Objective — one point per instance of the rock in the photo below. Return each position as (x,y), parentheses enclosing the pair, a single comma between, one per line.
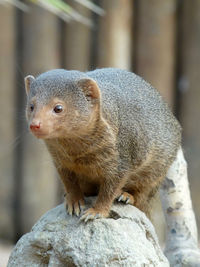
(126,238)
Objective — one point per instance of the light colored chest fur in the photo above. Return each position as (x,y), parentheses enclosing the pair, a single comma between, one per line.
(86,164)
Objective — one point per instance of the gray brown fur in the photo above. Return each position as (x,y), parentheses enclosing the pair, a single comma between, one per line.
(128,146)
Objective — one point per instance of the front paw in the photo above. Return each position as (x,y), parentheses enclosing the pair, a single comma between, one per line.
(92,214)
(74,205)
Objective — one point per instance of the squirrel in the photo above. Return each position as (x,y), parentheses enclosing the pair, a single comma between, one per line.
(109,132)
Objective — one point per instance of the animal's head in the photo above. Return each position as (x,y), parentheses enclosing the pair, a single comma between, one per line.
(61,104)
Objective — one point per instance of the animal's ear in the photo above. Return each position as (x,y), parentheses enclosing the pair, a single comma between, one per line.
(90,89)
(28,80)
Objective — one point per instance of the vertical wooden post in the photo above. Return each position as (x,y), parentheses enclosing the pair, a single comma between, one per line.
(155,28)
(189,91)
(114,40)
(77,42)
(41,53)
(155,44)
(7,118)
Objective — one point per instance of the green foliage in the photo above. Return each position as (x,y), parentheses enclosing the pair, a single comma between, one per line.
(59,8)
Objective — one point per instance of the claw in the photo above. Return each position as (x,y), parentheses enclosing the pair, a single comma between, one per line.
(74,207)
(81,218)
(89,217)
(70,210)
(97,216)
(77,209)
(92,214)
(120,198)
(85,217)
(127,200)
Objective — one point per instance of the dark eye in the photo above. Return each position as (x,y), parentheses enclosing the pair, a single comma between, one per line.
(58,109)
(31,107)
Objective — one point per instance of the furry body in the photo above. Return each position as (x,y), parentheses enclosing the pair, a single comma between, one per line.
(120,142)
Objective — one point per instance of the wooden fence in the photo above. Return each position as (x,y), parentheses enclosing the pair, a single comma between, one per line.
(159,40)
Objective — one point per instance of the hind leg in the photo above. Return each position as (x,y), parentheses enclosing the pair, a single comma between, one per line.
(143,186)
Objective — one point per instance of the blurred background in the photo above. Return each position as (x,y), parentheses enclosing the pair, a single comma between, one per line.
(159,40)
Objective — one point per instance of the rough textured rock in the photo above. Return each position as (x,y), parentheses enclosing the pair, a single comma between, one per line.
(127,238)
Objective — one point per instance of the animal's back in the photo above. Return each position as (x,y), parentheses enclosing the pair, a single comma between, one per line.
(138,111)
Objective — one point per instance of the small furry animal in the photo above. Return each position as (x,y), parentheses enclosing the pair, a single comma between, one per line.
(109,133)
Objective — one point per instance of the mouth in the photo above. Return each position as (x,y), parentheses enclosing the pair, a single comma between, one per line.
(39,135)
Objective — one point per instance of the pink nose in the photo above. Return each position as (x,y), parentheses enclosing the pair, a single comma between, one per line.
(35,127)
